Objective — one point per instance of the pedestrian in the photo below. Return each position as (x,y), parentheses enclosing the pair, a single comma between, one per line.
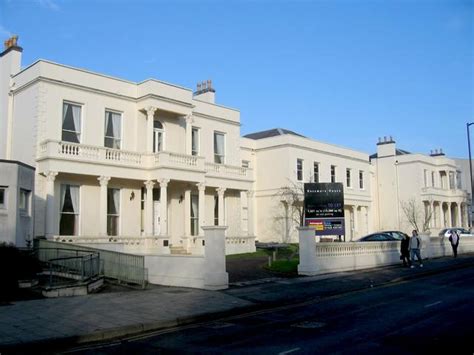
(415,247)
(405,250)
(454,240)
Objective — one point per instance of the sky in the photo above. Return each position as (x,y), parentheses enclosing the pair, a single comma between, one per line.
(341,72)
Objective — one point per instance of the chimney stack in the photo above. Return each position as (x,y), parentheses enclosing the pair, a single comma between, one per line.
(205,92)
(437,153)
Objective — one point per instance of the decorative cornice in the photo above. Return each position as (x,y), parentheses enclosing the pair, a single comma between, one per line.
(218,119)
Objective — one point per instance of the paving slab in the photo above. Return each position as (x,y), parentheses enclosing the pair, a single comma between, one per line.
(98,317)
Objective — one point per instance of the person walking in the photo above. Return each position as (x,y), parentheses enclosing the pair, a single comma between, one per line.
(415,248)
(454,240)
(405,250)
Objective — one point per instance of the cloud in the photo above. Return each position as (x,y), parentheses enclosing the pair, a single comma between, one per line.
(48,4)
(4,33)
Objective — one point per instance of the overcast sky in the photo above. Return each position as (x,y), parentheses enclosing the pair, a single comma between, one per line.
(342,72)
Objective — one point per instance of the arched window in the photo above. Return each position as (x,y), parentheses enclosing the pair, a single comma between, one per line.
(158,136)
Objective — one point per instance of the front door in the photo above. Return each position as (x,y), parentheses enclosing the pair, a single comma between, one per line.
(156,217)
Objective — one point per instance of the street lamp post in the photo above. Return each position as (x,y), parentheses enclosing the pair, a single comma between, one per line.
(470,169)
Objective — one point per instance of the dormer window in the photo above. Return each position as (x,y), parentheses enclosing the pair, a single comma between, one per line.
(158,136)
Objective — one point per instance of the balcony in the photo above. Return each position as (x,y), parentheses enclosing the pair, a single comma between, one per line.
(434,192)
(97,155)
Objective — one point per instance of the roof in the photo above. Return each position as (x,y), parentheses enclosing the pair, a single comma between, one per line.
(271,133)
(397,152)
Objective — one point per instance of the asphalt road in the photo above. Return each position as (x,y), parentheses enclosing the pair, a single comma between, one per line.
(429,315)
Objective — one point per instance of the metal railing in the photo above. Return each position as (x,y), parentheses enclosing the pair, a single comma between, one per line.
(122,267)
(66,266)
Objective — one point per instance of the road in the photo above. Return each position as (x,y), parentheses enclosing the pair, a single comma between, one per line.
(432,314)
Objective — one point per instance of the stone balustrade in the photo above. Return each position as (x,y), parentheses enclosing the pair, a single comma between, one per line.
(51,149)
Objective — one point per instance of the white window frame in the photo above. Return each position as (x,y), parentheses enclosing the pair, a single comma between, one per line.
(349,178)
(198,130)
(361,180)
(78,214)
(194,220)
(216,210)
(3,205)
(315,171)
(120,139)
(223,160)
(24,201)
(67,102)
(118,214)
(333,174)
(299,171)
(163,137)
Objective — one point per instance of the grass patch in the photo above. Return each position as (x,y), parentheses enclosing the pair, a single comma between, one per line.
(258,253)
(284,266)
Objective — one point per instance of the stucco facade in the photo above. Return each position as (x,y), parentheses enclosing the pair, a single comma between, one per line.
(431,183)
(281,158)
(122,159)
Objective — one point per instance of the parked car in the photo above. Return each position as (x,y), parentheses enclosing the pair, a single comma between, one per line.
(462,232)
(378,237)
(396,234)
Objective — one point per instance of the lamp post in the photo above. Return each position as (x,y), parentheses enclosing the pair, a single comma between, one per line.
(470,168)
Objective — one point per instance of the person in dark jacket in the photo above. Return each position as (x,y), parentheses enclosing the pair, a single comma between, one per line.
(405,251)
(454,240)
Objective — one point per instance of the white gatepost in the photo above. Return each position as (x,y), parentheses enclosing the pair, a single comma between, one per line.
(215,274)
(307,251)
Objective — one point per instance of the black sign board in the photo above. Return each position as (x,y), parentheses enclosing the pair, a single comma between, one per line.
(324,208)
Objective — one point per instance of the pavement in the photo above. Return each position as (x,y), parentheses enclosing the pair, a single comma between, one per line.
(59,323)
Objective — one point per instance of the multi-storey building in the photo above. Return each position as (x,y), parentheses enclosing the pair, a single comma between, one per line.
(122,159)
(283,161)
(427,186)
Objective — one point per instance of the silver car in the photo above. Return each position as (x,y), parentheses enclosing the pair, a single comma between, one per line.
(461,231)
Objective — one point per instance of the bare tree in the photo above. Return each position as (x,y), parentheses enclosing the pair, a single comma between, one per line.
(417,214)
(292,198)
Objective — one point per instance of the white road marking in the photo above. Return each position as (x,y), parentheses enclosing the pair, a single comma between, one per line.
(289,351)
(433,304)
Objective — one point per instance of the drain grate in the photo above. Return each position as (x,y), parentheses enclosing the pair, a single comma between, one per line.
(309,325)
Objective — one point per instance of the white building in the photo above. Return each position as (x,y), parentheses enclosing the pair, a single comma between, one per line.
(116,159)
(432,182)
(150,164)
(281,158)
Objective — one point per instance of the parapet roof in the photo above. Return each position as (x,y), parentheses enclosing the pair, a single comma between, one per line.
(271,133)
(397,152)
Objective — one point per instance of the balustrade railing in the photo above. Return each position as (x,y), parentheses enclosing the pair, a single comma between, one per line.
(97,154)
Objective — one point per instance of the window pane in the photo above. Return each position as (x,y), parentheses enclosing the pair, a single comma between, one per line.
(113,201)
(2,197)
(195,141)
(67,224)
(112,225)
(68,122)
(70,137)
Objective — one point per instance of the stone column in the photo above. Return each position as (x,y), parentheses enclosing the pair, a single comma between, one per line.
(459,215)
(220,193)
(307,251)
(356,222)
(149,208)
(103,181)
(150,114)
(50,227)
(189,128)
(187,212)
(250,209)
(164,206)
(215,275)
(202,208)
(442,215)
(450,219)
(433,220)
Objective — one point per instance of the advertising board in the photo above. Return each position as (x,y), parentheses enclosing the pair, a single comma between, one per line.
(324,208)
